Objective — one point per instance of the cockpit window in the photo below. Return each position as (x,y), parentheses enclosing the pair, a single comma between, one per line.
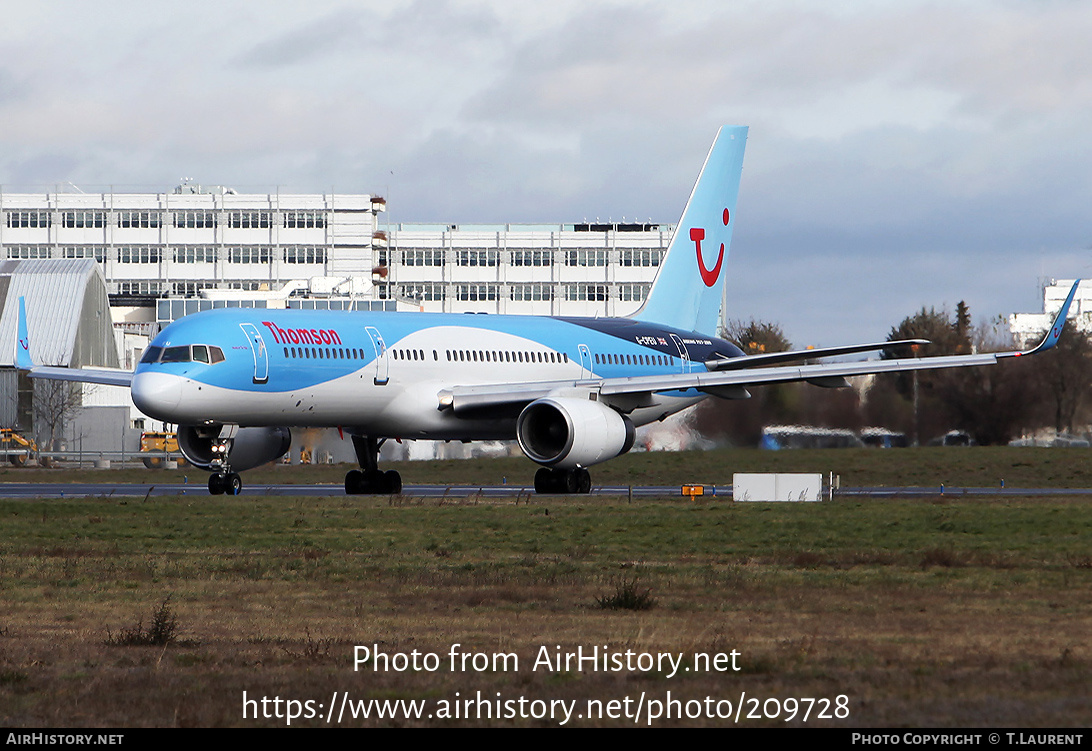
(176,354)
(184,353)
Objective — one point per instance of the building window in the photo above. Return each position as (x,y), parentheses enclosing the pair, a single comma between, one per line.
(247,286)
(139,289)
(586,292)
(139,254)
(531,292)
(586,257)
(532,258)
(19,219)
(633,292)
(304,219)
(98,252)
(139,219)
(249,254)
(305,254)
(476,258)
(422,257)
(195,254)
(641,257)
(195,219)
(29,251)
(83,219)
(423,292)
(249,219)
(476,292)
(188,289)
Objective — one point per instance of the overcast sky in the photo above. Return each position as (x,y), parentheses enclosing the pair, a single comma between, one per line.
(901,154)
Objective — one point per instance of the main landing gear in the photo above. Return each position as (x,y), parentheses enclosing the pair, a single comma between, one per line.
(563,480)
(369,479)
(225,482)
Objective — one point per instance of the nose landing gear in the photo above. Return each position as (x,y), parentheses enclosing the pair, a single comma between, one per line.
(223,480)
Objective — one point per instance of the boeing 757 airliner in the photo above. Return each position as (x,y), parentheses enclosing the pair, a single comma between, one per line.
(571,391)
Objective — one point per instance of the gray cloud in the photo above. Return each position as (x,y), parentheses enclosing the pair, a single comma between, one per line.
(900,154)
(313,41)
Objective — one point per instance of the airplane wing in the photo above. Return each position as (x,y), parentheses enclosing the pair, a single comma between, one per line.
(755,361)
(23,361)
(466,398)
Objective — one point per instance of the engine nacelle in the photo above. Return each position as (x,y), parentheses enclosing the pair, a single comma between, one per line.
(565,432)
(249,448)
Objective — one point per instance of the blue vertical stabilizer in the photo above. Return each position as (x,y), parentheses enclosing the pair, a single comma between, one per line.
(687,291)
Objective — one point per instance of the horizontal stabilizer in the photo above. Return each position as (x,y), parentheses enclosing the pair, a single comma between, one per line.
(23,361)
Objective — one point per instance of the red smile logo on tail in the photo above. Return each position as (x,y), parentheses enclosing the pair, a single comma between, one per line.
(709,276)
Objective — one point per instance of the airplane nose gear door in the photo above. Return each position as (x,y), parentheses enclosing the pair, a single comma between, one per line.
(257,348)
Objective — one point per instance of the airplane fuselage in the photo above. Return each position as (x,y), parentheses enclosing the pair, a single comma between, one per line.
(381,374)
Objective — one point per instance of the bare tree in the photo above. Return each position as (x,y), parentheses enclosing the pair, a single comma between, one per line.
(56,404)
(1063,377)
(755,337)
(992,402)
(740,422)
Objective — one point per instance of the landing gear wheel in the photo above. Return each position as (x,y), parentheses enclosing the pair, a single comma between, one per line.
(544,481)
(571,481)
(564,481)
(361,482)
(354,482)
(229,483)
(392,482)
(583,483)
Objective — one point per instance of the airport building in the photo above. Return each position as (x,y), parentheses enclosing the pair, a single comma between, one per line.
(164,255)
(215,244)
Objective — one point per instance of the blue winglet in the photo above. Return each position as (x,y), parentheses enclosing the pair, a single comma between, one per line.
(23,360)
(1056,328)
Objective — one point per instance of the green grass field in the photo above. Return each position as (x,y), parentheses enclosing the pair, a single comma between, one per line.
(922,613)
(982,466)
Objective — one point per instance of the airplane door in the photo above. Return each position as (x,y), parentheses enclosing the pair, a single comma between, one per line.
(381,376)
(585,361)
(682,353)
(258,349)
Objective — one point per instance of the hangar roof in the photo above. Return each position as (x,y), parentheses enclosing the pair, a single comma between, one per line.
(68,312)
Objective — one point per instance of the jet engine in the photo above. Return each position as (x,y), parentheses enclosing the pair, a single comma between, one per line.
(567,433)
(246,449)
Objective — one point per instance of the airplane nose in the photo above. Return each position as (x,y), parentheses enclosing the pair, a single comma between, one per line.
(157,394)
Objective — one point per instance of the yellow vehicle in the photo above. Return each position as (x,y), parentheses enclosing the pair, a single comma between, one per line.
(159,442)
(17,448)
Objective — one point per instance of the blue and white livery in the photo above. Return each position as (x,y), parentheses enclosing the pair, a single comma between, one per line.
(571,391)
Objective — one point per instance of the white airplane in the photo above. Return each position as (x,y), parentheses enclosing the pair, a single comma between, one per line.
(571,391)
